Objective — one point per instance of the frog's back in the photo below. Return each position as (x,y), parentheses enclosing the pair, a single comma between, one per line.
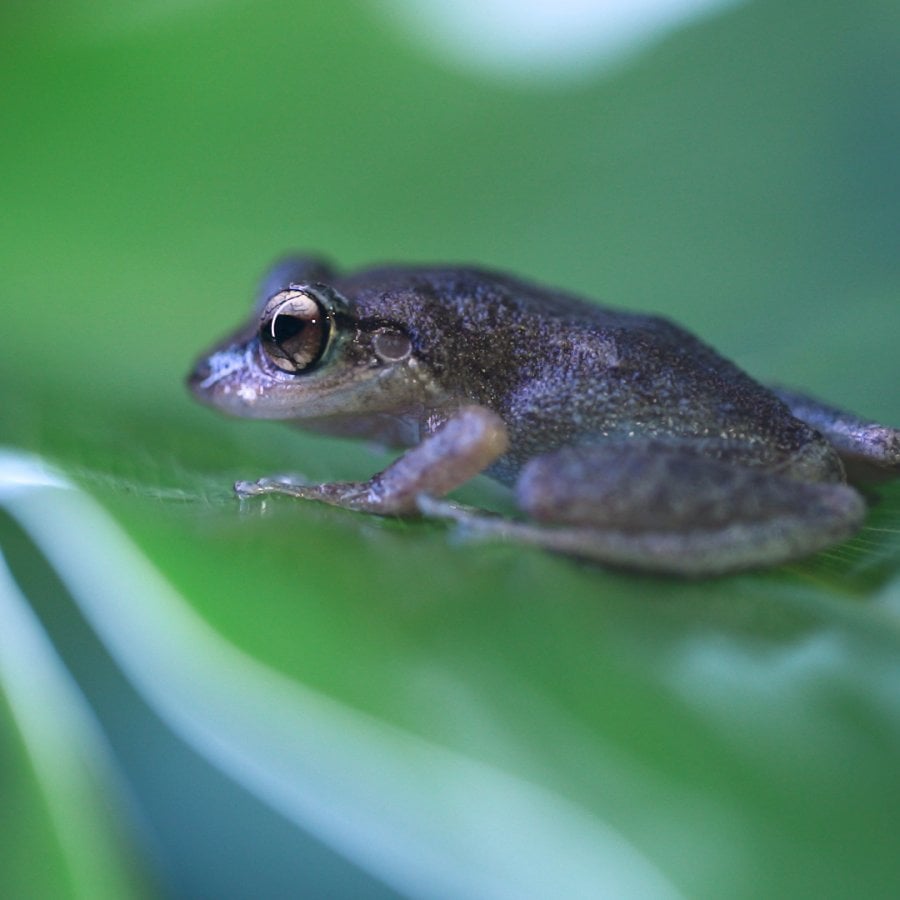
(561,370)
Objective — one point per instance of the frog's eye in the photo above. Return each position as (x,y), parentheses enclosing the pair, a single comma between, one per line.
(295,330)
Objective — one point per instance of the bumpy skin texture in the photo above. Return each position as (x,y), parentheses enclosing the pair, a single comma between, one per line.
(560,371)
(628,440)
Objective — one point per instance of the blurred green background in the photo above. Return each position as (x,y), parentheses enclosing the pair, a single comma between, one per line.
(285,700)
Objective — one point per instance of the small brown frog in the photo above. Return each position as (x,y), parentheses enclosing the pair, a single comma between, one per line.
(628,441)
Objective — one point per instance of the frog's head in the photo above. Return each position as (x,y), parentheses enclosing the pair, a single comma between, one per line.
(305,355)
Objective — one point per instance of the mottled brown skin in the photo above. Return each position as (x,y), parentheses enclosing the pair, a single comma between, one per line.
(629,441)
(560,371)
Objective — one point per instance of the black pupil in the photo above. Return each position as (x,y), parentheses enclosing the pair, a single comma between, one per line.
(286,326)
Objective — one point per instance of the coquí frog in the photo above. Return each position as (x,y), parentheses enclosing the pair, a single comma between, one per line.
(626,439)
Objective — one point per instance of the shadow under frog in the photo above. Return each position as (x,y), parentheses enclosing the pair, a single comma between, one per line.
(627,440)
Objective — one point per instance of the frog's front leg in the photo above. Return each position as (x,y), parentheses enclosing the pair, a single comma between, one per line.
(462,447)
(668,509)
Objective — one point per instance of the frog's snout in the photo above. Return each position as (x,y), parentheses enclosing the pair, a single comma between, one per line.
(222,379)
(206,378)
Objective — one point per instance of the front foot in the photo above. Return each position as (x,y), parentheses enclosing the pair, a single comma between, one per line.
(467,443)
(360,496)
(263,486)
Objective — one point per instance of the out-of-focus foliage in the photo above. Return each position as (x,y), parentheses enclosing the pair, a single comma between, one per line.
(282,699)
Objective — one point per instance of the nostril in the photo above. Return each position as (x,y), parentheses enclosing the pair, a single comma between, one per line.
(201,372)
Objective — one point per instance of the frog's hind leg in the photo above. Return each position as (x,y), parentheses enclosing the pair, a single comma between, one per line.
(870,451)
(668,510)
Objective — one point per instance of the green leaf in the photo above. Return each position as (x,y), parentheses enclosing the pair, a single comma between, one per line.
(267,699)
(68,829)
